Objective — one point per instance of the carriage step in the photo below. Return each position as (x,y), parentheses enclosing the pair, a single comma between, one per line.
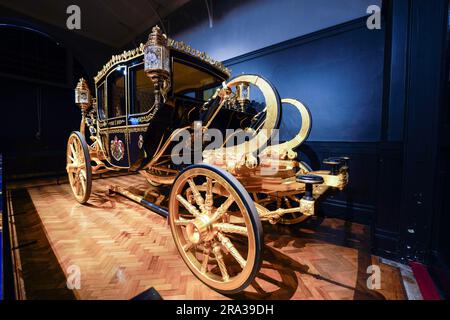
(335,163)
(309,180)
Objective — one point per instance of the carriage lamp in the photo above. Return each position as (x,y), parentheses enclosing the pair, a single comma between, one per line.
(157,58)
(82,95)
(243,95)
(83,100)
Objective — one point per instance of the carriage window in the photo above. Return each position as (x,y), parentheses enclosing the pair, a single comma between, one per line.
(116,93)
(142,97)
(101,102)
(208,93)
(187,79)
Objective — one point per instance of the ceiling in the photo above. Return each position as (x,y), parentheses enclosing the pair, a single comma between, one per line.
(112,22)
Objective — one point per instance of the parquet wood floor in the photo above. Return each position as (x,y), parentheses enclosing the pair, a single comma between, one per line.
(123,249)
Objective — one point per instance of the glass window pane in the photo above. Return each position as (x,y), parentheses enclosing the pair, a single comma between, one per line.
(143,95)
(101,102)
(208,93)
(116,94)
(187,79)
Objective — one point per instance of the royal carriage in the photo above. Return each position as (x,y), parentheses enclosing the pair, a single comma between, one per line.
(164,99)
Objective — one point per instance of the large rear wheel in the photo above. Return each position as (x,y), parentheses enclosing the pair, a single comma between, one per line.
(216,228)
(79,167)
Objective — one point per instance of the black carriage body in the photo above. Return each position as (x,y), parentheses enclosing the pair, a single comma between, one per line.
(128,127)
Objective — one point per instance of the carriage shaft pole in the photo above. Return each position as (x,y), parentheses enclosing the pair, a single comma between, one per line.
(139,199)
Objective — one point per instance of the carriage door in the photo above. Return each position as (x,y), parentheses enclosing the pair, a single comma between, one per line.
(142,99)
(117,140)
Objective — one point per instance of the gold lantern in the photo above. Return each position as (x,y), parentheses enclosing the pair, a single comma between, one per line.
(243,95)
(83,99)
(157,60)
(82,95)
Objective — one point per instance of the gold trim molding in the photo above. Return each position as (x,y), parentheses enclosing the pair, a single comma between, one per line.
(183,47)
(173,45)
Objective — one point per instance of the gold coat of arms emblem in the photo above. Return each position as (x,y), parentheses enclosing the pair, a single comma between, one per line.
(117,149)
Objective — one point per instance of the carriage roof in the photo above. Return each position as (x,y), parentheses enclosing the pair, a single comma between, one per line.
(175,46)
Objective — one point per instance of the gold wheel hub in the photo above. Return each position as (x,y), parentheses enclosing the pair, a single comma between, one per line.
(200,229)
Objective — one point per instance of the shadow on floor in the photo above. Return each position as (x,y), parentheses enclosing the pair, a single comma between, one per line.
(42,275)
(310,232)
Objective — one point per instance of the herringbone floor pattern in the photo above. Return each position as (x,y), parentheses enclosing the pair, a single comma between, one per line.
(123,249)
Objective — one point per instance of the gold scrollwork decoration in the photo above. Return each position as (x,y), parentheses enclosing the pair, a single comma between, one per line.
(172,44)
(132,129)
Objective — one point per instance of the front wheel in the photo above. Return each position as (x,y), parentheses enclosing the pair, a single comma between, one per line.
(216,228)
(79,167)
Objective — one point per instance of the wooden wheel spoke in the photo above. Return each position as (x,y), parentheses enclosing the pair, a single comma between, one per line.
(189,207)
(197,196)
(72,159)
(209,195)
(234,219)
(205,260)
(83,180)
(220,262)
(181,222)
(231,228)
(74,153)
(77,185)
(294,199)
(226,242)
(223,208)
(286,201)
(71,167)
(80,153)
(77,153)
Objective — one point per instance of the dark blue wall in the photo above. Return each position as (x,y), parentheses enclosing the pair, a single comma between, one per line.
(242,26)
(338,74)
